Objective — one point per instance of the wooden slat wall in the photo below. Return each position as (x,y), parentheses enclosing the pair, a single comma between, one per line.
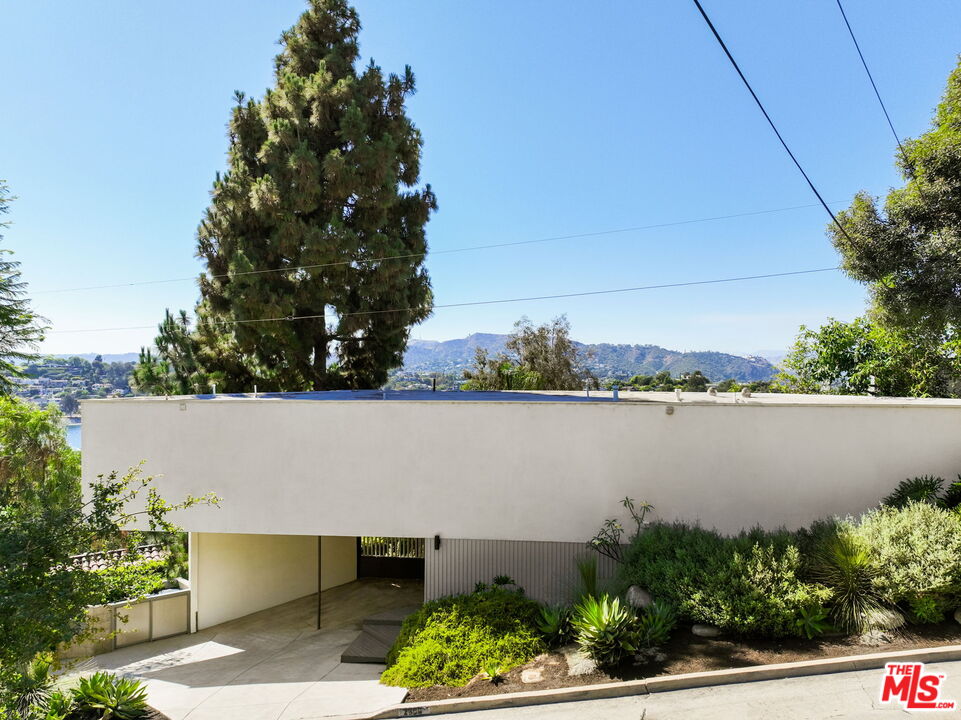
(546,570)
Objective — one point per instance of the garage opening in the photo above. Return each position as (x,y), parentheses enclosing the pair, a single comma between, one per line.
(390,557)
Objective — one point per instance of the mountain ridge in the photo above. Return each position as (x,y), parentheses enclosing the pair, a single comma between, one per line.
(609,359)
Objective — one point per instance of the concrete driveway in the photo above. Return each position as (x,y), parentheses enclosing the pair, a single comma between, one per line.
(273,665)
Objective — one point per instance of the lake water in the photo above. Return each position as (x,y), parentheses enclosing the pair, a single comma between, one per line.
(73,436)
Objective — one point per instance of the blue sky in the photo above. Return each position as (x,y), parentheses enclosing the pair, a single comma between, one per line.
(539,119)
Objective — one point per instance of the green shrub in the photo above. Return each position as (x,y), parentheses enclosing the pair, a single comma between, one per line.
(605,629)
(654,624)
(103,696)
(129,581)
(747,584)
(916,550)
(59,706)
(450,640)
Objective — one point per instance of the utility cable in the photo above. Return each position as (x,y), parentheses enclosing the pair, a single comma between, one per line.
(469,248)
(474,303)
(757,100)
(873,84)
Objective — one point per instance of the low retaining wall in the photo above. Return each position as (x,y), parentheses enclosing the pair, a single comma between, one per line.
(126,623)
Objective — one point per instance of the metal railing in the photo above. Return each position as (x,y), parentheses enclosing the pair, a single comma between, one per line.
(392,547)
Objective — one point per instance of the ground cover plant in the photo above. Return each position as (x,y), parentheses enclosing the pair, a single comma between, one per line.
(452,639)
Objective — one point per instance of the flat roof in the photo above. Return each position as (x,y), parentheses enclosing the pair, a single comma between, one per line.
(565,396)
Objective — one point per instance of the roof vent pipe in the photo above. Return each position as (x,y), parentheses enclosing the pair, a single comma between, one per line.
(615,389)
(214,386)
(677,394)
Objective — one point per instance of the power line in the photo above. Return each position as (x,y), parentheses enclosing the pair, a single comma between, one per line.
(873,84)
(757,100)
(586,293)
(469,248)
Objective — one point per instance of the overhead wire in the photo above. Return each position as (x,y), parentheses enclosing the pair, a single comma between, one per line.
(469,248)
(777,132)
(474,303)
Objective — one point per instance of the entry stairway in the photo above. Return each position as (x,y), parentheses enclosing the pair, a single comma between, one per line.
(377,634)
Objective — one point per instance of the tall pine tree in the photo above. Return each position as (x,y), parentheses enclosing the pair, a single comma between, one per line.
(319,215)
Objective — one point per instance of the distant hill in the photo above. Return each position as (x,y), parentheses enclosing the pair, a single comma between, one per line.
(106,357)
(453,356)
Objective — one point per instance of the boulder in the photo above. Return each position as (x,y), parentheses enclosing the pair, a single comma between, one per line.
(706,631)
(638,597)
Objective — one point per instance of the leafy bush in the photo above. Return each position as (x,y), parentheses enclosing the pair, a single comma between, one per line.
(103,696)
(128,581)
(605,629)
(916,550)
(450,640)
(555,625)
(654,624)
(747,584)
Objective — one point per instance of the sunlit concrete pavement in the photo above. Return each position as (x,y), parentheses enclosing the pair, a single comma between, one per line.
(273,665)
(841,695)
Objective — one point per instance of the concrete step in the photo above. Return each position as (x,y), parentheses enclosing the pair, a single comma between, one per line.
(377,635)
(372,645)
(390,617)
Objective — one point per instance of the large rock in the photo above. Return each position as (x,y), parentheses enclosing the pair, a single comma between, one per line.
(638,597)
(706,631)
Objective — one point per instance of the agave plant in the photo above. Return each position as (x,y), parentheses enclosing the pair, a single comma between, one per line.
(59,706)
(109,697)
(654,624)
(605,629)
(555,624)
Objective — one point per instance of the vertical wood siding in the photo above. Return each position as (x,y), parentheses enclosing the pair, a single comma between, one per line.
(546,570)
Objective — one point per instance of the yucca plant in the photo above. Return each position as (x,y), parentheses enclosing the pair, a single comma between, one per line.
(555,625)
(30,688)
(605,629)
(842,562)
(654,624)
(109,697)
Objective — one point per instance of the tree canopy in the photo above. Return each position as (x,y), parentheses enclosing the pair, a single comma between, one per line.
(44,520)
(21,329)
(908,251)
(852,358)
(538,358)
(314,239)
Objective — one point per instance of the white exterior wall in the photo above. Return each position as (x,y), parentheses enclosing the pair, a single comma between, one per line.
(545,471)
(233,575)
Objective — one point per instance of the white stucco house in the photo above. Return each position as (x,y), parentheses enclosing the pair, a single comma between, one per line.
(511,483)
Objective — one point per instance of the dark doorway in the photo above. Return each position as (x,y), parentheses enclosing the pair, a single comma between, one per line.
(382,557)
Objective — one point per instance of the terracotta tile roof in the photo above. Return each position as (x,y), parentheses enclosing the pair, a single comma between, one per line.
(101,560)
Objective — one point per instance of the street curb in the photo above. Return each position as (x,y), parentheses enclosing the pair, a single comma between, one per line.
(668,682)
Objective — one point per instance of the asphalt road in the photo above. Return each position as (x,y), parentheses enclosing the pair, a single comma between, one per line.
(841,695)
